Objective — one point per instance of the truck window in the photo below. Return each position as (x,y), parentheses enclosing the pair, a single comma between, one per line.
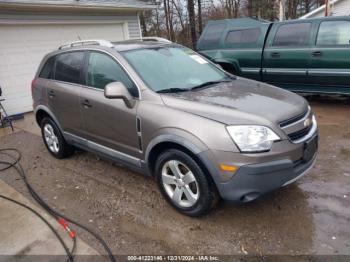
(292,35)
(213,33)
(246,36)
(332,33)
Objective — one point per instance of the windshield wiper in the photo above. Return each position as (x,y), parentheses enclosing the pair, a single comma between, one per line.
(173,90)
(209,83)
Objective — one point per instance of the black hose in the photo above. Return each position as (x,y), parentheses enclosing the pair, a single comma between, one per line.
(15,163)
(69,253)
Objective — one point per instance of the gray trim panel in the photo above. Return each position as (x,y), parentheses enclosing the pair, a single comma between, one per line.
(111,153)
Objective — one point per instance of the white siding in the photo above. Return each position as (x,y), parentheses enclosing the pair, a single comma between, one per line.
(25,39)
(131,20)
(340,8)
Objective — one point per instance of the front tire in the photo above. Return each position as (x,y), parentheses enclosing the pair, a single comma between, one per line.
(54,140)
(184,184)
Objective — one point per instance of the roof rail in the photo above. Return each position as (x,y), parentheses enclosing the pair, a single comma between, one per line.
(154,38)
(87,42)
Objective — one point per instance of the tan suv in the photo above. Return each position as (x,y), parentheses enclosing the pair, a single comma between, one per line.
(163,110)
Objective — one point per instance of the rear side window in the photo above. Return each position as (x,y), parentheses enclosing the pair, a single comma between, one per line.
(48,69)
(103,69)
(213,33)
(68,67)
(292,35)
(333,33)
(246,36)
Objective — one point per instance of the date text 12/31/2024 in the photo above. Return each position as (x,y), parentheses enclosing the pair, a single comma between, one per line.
(173,258)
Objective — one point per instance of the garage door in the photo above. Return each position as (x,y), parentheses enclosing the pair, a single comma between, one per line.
(23,46)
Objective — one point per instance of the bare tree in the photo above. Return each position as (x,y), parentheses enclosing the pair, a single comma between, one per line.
(192,21)
(166,13)
(177,20)
(200,22)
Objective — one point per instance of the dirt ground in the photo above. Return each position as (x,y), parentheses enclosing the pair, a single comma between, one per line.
(311,216)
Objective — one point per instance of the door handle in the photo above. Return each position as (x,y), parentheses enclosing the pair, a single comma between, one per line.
(52,94)
(275,54)
(317,53)
(86,103)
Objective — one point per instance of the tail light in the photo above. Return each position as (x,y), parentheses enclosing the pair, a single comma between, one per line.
(33,84)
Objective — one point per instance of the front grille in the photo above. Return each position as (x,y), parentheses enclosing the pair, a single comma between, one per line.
(299,127)
(293,119)
(300,134)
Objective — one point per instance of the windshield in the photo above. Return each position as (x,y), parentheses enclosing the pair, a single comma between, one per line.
(173,68)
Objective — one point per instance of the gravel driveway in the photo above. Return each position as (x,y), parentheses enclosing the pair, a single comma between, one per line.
(311,216)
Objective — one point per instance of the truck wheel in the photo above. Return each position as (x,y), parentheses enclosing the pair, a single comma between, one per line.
(184,184)
(54,140)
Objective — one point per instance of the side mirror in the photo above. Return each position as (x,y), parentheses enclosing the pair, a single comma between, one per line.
(117,90)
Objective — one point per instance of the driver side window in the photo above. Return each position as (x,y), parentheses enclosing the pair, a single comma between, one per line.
(103,69)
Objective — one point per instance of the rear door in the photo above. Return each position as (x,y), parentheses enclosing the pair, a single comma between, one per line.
(287,54)
(63,91)
(108,122)
(330,64)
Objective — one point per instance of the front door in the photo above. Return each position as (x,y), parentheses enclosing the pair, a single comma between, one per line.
(287,54)
(108,122)
(64,89)
(330,64)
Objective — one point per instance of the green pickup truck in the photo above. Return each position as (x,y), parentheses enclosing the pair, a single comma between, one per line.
(307,55)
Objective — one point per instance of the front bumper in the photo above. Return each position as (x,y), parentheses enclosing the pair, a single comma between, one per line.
(254,180)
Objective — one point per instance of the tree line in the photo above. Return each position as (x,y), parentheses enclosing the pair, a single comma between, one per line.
(182,21)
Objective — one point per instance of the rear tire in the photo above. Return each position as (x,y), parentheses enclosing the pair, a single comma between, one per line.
(184,184)
(54,140)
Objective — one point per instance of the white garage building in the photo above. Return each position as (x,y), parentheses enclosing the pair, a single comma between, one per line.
(337,8)
(30,29)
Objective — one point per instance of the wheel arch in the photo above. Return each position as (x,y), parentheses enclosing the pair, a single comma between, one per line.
(41,112)
(229,66)
(166,142)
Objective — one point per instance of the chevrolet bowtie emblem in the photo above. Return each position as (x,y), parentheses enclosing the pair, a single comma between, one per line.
(307,122)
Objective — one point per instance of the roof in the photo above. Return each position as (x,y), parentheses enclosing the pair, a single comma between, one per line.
(319,9)
(139,44)
(245,22)
(116,4)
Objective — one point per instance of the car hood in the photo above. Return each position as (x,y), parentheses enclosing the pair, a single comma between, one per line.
(240,101)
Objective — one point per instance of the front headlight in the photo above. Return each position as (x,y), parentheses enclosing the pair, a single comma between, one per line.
(252,138)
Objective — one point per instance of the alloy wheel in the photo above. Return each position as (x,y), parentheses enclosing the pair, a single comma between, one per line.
(180,183)
(51,138)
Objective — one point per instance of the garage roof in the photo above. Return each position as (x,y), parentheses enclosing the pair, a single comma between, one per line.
(117,4)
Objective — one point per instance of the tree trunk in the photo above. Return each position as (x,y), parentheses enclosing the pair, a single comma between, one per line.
(192,20)
(143,24)
(237,4)
(166,18)
(200,23)
(157,21)
(170,18)
(307,6)
(250,8)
